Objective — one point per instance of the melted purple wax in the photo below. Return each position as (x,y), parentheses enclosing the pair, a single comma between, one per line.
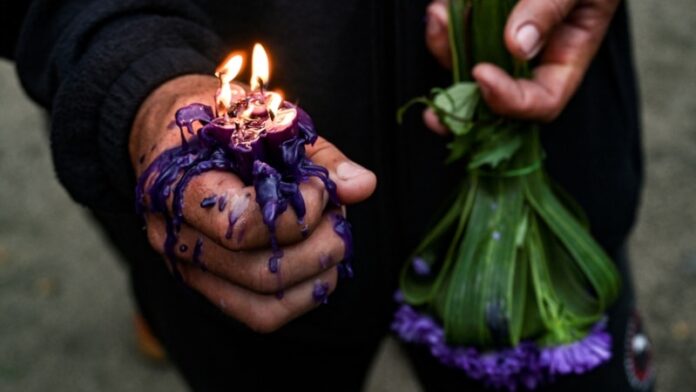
(342,228)
(273,161)
(420,266)
(197,253)
(209,202)
(239,205)
(222,203)
(320,293)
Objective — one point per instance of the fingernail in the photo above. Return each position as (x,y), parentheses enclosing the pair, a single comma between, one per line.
(528,38)
(349,170)
(437,19)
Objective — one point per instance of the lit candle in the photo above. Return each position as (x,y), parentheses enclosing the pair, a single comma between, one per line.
(253,123)
(253,133)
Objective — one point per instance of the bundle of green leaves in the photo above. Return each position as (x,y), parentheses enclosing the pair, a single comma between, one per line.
(511,262)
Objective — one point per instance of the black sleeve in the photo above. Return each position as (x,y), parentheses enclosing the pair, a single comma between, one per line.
(11,17)
(92,63)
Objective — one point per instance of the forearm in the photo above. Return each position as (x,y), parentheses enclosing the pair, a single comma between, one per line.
(92,63)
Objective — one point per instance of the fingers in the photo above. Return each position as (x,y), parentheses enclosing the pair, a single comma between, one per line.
(218,205)
(436,32)
(322,250)
(542,98)
(570,33)
(354,183)
(433,122)
(262,313)
(531,22)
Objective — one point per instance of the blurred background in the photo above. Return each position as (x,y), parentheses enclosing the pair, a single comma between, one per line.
(66,312)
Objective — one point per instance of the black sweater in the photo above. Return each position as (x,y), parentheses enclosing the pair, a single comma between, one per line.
(350,63)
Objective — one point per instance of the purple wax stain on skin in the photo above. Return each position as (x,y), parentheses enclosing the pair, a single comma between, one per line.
(222,202)
(420,266)
(209,202)
(240,235)
(197,253)
(280,294)
(343,230)
(274,262)
(304,229)
(183,248)
(239,205)
(320,293)
(325,261)
(274,165)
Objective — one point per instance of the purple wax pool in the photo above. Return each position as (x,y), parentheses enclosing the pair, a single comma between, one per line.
(265,148)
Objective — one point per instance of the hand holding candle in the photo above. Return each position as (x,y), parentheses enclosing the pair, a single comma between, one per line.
(223,246)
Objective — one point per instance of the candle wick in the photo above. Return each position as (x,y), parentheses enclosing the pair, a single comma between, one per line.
(261,84)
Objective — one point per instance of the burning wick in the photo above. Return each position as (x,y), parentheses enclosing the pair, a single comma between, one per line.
(260,69)
(257,102)
(257,111)
(226,74)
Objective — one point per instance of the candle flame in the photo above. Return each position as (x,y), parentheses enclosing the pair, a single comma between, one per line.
(226,73)
(230,68)
(273,102)
(260,67)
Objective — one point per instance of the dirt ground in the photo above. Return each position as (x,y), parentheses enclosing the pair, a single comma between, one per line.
(66,311)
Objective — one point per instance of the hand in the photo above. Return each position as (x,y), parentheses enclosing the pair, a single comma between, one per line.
(237,278)
(566,34)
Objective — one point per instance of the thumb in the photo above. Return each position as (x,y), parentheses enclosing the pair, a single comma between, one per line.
(354,183)
(531,22)
(436,32)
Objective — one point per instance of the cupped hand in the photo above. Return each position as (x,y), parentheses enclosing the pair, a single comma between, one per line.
(236,276)
(565,34)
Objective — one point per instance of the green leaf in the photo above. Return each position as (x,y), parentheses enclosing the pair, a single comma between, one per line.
(459,13)
(445,235)
(402,110)
(480,299)
(456,106)
(459,147)
(497,148)
(487,31)
(591,259)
